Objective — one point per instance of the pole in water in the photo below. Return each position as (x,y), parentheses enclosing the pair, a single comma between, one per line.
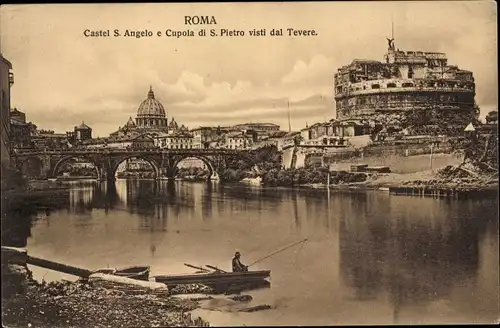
(279,251)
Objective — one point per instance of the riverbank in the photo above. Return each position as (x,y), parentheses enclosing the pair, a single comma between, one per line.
(446,181)
(79,304)
(29,303)
(106,300)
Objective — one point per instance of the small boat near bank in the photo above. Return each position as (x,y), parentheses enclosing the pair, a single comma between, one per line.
(134,272)
(215,278)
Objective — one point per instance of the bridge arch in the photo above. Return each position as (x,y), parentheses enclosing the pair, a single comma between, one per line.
(207,161)
(66,158)
(152,162)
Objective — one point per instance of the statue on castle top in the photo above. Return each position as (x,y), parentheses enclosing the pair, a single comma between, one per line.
(391,43)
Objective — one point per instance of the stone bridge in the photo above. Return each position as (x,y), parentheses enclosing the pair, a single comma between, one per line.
(164,162)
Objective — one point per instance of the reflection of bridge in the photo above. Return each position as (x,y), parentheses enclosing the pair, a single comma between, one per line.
(106,162)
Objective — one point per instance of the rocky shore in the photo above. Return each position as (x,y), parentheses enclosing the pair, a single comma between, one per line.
(99,302)
(28,303)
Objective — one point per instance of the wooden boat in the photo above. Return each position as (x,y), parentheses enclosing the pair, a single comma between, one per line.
(134,272)
(215,278)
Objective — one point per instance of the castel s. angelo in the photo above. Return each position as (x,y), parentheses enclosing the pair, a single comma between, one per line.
(411,88)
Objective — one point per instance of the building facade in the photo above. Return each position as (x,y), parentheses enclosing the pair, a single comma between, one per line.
(236,140)
(268,127)
(209,136)
(336,133)
(48,139)
(6,82)
(21,132)
(258,131)
(407,81)
(178,140)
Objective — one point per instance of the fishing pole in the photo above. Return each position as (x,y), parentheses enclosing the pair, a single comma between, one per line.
(279,251)
(297,254)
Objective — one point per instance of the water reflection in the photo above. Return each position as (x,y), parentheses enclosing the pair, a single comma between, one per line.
(369,247)
(21,209)
(414,252)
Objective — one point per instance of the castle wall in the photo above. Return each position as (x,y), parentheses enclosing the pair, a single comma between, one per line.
(406,81)
(374,151)
(405,149)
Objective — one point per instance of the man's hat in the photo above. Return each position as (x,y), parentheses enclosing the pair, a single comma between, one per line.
(237,254)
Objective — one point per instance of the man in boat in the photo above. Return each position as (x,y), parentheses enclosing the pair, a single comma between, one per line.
(237,265)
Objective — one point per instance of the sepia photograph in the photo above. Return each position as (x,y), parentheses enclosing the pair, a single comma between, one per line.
(249,164)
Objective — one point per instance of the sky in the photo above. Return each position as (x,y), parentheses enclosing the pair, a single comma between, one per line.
(63,78)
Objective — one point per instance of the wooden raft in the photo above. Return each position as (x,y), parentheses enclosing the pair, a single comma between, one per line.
(128,285)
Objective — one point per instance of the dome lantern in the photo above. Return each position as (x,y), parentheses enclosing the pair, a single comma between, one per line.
(151,94)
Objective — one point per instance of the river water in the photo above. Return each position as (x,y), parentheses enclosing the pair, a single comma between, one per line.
(370,258)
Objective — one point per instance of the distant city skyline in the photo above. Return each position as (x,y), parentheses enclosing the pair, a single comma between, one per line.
(63,78)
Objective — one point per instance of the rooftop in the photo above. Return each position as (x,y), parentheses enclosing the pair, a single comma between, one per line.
(278,134)
(151,107)
(83,126)
(15,111)
(371,61)
(179,135)
(8,63)
(16,122)
(256,123)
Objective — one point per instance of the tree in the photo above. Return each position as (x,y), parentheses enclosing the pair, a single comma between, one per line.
(492,117)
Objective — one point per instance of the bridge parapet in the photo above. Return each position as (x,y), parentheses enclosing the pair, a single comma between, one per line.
(128,151)
(106,161)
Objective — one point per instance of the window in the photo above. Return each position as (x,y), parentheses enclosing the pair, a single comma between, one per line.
(410,72)
(375,86)
(407,85)
(391,85)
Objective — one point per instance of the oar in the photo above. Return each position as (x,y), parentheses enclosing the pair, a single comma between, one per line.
(196,267)
(215,268)
(279,251)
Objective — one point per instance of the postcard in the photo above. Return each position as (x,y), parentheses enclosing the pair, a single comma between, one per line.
(249,164)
